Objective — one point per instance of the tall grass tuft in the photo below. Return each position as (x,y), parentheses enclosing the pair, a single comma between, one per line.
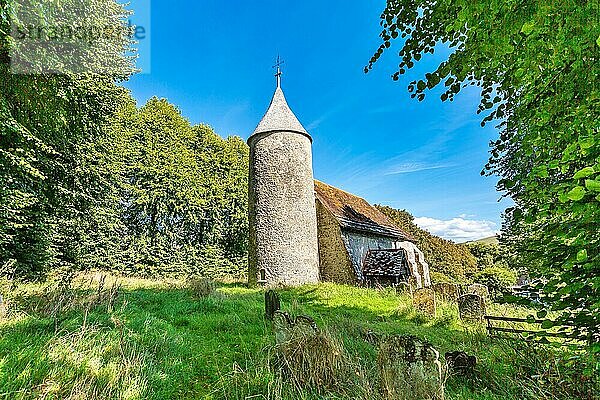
(316,360)
(201,287)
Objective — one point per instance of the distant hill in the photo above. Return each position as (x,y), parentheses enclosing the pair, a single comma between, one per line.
(453,260)
(487,240)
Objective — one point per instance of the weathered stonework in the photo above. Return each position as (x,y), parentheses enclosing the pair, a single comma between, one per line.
(283,246)
(416,259)
(334,262)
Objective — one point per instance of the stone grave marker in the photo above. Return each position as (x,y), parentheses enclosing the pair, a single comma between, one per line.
(478,289)
(424,301)
(287,327)
(272,304)
(446,291)
(404,361)
(471,307)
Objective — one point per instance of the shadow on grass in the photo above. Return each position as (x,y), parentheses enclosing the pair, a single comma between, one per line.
(189,344)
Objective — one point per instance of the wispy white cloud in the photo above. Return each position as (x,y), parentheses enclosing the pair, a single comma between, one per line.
(406,168)
(315,123)
(458,229)
(340,106)
(465,216)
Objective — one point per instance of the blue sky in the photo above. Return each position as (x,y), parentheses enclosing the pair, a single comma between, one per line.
(213,59)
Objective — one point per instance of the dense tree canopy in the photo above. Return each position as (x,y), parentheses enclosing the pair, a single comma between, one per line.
(88,180)
(537,64)
(182,192)
(51,193)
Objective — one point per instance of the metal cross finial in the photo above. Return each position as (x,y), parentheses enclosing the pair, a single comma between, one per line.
(278,63)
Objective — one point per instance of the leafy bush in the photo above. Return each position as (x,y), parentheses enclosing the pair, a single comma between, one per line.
(497,279)
(548,149)
(545,372)
(438,277)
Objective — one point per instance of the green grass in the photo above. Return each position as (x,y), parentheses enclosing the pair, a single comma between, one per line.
(159,341)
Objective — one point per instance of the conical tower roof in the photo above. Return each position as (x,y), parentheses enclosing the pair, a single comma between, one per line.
(279,117)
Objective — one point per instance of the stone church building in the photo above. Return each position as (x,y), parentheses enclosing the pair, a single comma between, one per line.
(302,230)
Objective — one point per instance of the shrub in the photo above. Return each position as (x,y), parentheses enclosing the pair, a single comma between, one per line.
(545,372)
(497,279)
(438,277)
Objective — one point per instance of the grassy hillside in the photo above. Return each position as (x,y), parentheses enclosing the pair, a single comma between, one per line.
(157,340)
(487,240)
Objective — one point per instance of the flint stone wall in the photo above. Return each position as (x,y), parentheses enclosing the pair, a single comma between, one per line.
(283,227)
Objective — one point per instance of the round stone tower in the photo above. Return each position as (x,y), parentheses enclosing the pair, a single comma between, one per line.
(283,247)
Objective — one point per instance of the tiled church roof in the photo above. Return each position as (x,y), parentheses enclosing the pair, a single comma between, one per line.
(356,213)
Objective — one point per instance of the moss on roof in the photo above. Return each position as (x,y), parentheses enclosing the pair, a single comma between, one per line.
(355,213)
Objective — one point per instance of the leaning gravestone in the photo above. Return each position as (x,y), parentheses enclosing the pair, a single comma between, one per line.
(471,307)
(272,304)
(446,291)
(288,328)
(424,301)
(478,289)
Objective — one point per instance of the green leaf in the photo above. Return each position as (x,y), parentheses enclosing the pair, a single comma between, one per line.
(528,28)
(593,186)
(584,173)
(586,142)
(582,255)
(576,193)
(542,314)
(598,41)
(547,324)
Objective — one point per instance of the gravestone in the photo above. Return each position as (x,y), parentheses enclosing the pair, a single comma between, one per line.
(404,288)
(460,363)
(446,291)
(272,304)
(424,301)
(471,307)
(288,328)
(478,289)
(409,363)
